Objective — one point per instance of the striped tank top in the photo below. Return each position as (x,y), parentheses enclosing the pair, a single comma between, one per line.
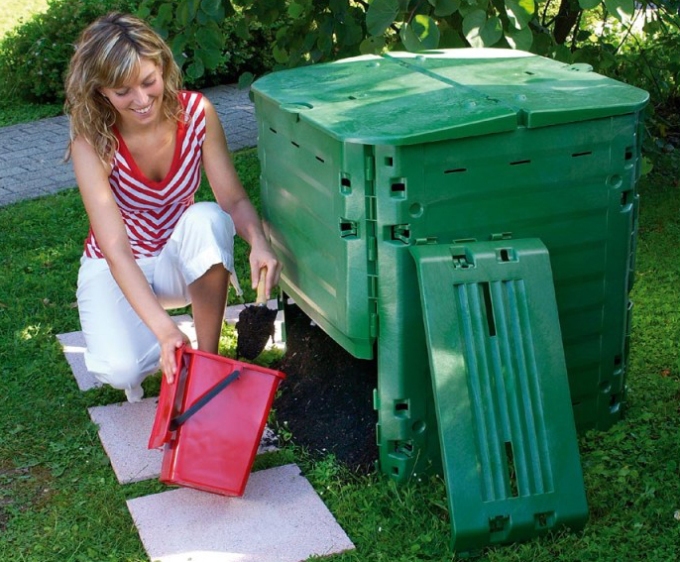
(151,209)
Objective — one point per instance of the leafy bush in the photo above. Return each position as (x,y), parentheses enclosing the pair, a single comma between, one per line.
(35,56)
(213,41)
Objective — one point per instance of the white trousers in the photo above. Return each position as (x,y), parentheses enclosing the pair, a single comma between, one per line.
(121,350)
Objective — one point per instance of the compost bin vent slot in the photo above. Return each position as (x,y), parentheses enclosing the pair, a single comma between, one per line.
(488,308)
(512,471)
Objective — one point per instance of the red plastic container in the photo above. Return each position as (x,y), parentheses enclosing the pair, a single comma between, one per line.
(214,449)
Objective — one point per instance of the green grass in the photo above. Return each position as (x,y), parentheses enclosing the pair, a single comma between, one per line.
(60,501)
(13,12)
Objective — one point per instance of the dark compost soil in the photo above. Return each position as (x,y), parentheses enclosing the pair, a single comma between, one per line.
(327,396)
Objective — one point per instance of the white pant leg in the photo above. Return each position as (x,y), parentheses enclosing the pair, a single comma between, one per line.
(203,237)
(121,350)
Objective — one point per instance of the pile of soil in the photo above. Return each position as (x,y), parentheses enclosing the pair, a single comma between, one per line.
(327,396)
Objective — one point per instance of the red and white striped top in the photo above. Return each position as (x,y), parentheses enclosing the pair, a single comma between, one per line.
(151,209)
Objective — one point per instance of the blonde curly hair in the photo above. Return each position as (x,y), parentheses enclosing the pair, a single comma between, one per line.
(108,55)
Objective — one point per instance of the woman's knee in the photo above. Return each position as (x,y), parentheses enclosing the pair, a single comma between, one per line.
(207,220)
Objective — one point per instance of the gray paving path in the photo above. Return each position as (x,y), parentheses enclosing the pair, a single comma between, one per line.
(31,154)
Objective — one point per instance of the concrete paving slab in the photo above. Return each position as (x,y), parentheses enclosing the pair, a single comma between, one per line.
(73,344)
(280,518)
(124,431)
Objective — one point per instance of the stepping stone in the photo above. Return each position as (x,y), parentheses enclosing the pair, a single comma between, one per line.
(124,431)
(73,345)
(280,518)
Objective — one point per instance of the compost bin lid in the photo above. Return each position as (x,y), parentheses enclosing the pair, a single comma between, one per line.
(407,98)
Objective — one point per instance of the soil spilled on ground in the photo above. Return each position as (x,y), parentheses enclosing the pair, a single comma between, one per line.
(327,396)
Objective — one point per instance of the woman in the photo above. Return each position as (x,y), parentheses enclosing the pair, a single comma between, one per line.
(137,145)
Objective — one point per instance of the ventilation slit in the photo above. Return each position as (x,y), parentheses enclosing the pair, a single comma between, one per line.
(488,306)
(512,473)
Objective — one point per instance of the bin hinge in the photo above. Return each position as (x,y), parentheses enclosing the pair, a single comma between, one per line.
(373,305)
(348,228)
(372,248)
(369,171)
(461,259)
(501,236)
(402,232)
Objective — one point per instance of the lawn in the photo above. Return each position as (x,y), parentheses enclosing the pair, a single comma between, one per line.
(60,500)
(13,12)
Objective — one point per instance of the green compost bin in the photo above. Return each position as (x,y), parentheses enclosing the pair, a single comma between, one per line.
(366,158)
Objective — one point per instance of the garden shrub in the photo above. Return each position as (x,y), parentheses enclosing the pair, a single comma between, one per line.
(34,56)
(213,42)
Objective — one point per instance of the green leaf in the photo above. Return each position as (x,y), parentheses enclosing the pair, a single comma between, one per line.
(380,15)
(622,10)
(472,27)
(295,10)
(520,39)
(372,45)
(470,6)
(350,33)
(443,8)
(143,12)
(520,12)
(491,31)
(210,38)
(211,58)
(212,7)
(183,14)
(195,70)
(245,80)
(589,4)
(280,55)
(421,33)
(165,15)
(178,46)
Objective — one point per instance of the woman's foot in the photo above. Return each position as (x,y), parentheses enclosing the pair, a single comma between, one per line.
(134,394)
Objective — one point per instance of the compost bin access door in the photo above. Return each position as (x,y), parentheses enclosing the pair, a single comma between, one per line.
(508,439)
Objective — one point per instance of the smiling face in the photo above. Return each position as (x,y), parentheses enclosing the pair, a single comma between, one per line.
(138,101)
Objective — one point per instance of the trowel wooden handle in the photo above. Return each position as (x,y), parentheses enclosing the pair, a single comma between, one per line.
(261,295)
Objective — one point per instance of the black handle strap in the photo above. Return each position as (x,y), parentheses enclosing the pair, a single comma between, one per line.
(177,421)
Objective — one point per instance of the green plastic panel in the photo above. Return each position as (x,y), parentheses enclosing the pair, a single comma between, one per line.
(403,98)
(508,440)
